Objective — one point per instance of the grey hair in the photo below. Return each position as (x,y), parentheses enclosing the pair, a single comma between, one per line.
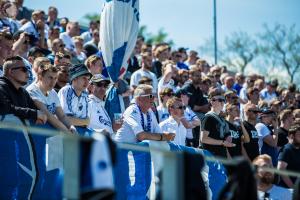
(142,89)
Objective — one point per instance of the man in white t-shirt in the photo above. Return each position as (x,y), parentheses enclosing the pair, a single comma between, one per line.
(99,118)
(173,123)
(144,71)
(66,37)
(74,97)
(139,121)
(265,179)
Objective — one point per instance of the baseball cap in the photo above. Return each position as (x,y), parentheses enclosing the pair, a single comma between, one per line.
(97,78)
(78,70)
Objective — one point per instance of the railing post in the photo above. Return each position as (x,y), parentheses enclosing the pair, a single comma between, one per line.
(71,185)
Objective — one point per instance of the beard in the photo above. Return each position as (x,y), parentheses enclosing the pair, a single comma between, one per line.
(267,178)
(22,83)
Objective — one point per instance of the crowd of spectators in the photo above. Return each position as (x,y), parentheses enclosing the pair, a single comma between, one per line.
(53,73)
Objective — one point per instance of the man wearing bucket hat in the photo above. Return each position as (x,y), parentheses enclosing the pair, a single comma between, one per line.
(74,97)
(99,118)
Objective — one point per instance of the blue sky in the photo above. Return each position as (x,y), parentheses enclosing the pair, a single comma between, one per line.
(190,22)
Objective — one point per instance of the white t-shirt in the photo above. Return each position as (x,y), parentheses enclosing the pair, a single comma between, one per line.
(163,113)
(73,105)
(276,193)
(189,115)
(132,124)
(67,40)
(171,126)
(137,75)
(262,131)
(99,118)
(51,101)
(30,27)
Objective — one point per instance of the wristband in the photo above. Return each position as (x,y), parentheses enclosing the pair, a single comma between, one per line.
(161,137)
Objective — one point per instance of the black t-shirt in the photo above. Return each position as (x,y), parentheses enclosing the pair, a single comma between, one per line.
(252,147)
(156,68)
(213,126)
(290,154)
(282,137)
(236,134)
(197,97)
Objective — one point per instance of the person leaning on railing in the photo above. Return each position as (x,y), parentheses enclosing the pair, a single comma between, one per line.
(139,120)
(14,99)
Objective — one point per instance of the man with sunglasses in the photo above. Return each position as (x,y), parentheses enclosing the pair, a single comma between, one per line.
(214,134)
(139,120)
(173,124)
(14,99)
(99,118)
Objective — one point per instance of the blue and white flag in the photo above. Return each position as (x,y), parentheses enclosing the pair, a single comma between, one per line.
(118,33)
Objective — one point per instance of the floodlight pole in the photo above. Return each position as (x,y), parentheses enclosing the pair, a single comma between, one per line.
(215,33)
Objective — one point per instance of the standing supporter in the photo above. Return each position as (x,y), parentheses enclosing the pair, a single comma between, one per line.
(287,99)
(265,187)
(231,97)
(37,28)
(6,42)
(183,53)
(204,66)
(216,72)
(95,39)
(72,30)
(52,20)
(237,130)
(177,58)
(205,85)
(190,119)
(7,24)
(173,124)
(251,149)
(267,137)
(139,120)
(22,43)
(197,102)
(269,92)
(182,77)
(192,58)
(214,130)
(144,71)
(239,82)
(79,52)
(46,99)
(53,34)
(74,98)
(99,119)
(161,54)
(249,83)
(288,158)
(23,12)
(228,83)
(14,99)
(88,35)
(162,109)
(169,71)
(286,120)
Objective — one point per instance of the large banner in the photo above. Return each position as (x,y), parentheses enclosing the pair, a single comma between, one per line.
(118,33)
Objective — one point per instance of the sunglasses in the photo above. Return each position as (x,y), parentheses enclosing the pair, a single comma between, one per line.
(150,96)
(62,45)
(219,100)
(23,69)
(179,107)
(253,111)
(169,94)
(101,85)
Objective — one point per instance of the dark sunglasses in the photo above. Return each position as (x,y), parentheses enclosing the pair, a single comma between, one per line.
(62,45)
(179,107)
(23,69)
(253,111)
(219,100)
(169,94)
(150,96)
(105,85)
